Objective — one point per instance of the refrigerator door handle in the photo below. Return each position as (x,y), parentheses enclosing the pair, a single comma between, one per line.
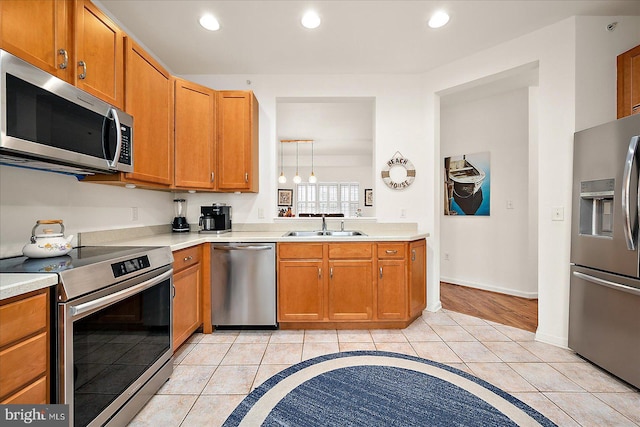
(607,283)
(629,233)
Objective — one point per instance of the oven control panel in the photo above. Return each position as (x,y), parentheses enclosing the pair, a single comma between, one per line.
(130,265)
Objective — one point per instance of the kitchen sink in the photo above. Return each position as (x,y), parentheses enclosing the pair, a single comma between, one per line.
(326,233)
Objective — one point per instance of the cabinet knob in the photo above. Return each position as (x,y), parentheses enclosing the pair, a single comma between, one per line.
(84,70)
(65,55)
(187,258)
(413,255)
(391,251)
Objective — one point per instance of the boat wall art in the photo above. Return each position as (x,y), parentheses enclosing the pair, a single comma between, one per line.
(467,189)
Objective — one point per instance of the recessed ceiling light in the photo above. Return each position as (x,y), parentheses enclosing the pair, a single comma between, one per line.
(310,20)
(209,22)
(438,19)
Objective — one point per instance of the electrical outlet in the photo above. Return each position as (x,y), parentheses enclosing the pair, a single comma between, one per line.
(134,214)
(403,213)
(509,204)
(446,256)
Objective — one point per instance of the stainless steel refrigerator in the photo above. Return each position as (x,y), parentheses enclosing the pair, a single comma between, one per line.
(604,303)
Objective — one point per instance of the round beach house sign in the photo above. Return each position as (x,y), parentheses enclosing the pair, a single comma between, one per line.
(398,173)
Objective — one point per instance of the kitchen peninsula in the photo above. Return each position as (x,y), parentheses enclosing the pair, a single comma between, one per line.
(373,280)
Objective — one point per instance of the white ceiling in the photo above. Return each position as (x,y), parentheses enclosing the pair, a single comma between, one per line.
(356,36)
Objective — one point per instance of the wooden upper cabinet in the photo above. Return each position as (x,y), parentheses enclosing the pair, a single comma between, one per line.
(629,82)
(99,58)
(149,99)
(195,145)
(237,113)
(50,46)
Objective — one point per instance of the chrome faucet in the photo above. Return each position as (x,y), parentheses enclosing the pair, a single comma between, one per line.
(324,224)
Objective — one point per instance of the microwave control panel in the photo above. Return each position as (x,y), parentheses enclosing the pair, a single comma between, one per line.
(125,150)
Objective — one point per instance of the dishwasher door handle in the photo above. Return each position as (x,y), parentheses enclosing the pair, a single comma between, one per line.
(243,248)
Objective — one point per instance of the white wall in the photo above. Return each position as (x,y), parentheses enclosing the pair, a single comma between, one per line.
(28,195)
(399,126)
(554,48)
(490,252)
(596,51)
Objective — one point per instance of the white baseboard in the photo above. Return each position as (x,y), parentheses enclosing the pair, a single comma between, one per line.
(433,307)
(552,339)
(516,293)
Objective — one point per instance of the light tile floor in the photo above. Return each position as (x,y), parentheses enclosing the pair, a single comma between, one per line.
(213,373)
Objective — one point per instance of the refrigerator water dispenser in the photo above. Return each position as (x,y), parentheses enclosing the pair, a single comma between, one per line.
(596,207)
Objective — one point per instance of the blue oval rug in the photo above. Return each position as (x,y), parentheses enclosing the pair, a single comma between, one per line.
(376,388)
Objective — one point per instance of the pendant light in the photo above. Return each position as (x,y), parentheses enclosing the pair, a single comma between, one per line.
(297,178)
(312,177)
(282,179)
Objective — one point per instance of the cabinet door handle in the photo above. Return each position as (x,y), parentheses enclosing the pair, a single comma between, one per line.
(331,272)
(173,287)
(413,255)
(213,176)
(64,63)
(84,70)
(381,272)
(319,273)
(246,177)
(391,251)
(187,258)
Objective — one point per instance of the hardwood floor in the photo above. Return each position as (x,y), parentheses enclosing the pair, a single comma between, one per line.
(505,309)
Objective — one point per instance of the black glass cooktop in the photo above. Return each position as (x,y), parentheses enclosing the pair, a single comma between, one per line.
(78,257)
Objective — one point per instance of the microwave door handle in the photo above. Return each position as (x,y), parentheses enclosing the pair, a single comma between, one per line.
(629,232)
(114,162)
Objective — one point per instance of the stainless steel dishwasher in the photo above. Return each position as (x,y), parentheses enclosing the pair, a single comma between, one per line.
(243,285)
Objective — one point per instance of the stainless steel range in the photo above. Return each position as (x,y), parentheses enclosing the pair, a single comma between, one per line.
(112,317)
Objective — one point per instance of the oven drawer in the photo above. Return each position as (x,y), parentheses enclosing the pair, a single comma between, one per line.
(22,363)
(184,258)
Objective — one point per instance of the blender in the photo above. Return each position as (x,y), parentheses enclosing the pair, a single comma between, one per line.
(180,223)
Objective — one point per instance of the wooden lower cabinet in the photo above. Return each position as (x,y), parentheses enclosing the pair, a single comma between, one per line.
(350,294)
(24,349)
(350,284)
(300,290)
(392,289)
(417,277)
(187,300)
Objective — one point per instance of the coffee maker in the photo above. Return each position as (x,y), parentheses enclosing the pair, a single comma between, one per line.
(215,218)
(180,224)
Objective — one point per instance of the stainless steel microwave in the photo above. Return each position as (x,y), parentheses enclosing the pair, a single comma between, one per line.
(47,123)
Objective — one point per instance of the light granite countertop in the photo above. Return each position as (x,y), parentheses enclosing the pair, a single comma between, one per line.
(178,241)
(21,283)
(14,284)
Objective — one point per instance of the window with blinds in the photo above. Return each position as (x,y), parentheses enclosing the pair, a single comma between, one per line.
(328,197)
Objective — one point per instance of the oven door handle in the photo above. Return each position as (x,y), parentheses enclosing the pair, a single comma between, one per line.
(78,310)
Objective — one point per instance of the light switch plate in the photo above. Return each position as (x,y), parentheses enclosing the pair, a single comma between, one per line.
(558,213)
